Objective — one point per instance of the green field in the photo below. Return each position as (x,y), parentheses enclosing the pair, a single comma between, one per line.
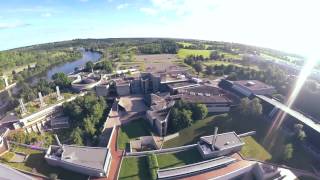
(230,56)
(179,159)
(134,168)
(226,63)
(185,44)
(132,130)
(183,53)
(137,168)
(36,163)
(253,149)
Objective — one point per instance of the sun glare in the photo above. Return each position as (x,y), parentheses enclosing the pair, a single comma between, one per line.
(280,116)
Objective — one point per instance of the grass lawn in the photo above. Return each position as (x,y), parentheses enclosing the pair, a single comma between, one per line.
(230,56)
(179,159)
(134,168)
(191,134)
(212,63)
(132,130)
(36,162)
(183,53)
(252,149)
(185,44)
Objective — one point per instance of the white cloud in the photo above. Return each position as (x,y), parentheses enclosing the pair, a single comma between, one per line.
(122,6)
(46,14)
(149,11)
(12,25)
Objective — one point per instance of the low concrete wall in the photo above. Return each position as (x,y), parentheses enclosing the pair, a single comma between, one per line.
(162,151)
(171,136)
(29,146)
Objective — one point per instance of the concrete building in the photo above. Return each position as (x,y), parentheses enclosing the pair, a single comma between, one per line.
(252,87)
(123,87)
(175,88)
(158,114)
(84,81)
(214,98)
(92,161)
(219,144)
(150,83)
(102,90)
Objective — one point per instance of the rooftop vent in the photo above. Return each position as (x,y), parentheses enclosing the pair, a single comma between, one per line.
(250,83)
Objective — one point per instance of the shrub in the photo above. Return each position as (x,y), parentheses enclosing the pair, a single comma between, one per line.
(7,156)
(153,165)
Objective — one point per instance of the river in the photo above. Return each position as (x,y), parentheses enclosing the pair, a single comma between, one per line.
(66,68)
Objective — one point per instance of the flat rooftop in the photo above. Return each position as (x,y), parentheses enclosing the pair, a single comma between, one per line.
(182,85)
(223,141)
(203,99)
(91,157)
(204,89)
(7,172)
(253,84)
(187,170)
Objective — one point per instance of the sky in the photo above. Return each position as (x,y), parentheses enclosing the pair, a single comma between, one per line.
(288,25)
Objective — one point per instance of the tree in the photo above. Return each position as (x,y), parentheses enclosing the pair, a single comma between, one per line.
(214,55)
(44,87)
(288,152)
(180,119)
(249,108)
(53,176)
(76,136)
(89,66)
(197,67)
(62,80)
(299,132)
(27,93)
(199,111)
(107,66)
(244,106)
(185,119)
(89,126)
(232,76)
(209,70)
(255,107)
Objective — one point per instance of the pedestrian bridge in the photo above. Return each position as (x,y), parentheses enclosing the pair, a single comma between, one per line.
(312,123)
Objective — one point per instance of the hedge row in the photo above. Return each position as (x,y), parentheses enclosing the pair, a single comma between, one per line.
(153,166)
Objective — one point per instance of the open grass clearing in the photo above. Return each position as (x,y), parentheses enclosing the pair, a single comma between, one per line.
(183,53)
(134,168)
(185,44)
(252,149)
(131,131)
(230,56)
(226,63)
(36,163)
(179,159)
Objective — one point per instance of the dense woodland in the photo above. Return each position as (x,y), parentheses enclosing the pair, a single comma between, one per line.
(34,60)
(87,115)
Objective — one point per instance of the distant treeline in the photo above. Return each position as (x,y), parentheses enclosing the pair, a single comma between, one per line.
(31,63)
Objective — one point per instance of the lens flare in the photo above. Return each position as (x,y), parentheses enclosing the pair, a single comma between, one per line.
(280,116)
